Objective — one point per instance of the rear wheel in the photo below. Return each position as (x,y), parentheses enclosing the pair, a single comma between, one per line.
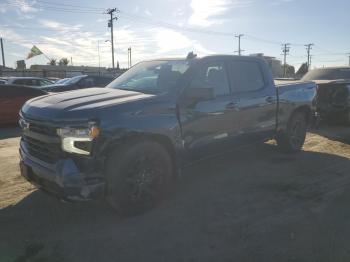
(138,177)
(292,140)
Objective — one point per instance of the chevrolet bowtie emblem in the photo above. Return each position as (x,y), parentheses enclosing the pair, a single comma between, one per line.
(24,124)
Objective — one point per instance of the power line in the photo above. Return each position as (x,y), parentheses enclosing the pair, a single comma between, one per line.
(149,21)
(57,9)
(69,5)
(61,7)
(64,7)
(61,29)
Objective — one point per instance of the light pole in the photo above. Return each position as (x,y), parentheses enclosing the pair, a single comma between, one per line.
(129,57)
(99,57)
(111,43)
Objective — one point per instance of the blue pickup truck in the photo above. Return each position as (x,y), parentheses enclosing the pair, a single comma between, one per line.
(129,141)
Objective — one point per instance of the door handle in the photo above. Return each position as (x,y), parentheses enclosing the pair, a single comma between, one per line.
(270,99)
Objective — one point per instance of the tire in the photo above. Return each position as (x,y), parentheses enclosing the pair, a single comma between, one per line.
(292,140)
(138,177)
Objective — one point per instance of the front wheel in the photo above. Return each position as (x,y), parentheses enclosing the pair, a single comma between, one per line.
(292,139)
(138,177)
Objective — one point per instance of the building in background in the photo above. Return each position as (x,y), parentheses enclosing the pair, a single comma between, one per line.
(21,65)
(61,71)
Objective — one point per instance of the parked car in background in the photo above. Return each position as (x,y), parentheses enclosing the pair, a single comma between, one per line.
(53,79)
(333,92)
(61,81)
(28,81)
(3,81)
(79,82)
(12,98)
(127,142)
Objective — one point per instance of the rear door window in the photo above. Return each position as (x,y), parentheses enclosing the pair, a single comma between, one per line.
(245,76)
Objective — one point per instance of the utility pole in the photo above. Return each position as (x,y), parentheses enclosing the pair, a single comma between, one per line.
(129,57)
(349,58)
(285,50)
(311,56)
(99,57)
(111,12)
(2,52)
(239,51)
(308,49)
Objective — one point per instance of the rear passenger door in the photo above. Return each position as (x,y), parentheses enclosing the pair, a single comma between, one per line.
(255,99)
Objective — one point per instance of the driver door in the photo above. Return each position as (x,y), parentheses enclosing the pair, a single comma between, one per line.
(207,125)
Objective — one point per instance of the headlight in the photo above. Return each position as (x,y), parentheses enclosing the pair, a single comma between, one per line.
(78,140)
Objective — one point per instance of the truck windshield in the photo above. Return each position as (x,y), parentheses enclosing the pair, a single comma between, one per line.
(152,77)
(328,74)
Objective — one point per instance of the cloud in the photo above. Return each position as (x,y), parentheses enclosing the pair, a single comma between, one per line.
(59,39)
(171,42)
(206,12)
(101,20)
(20,6)
(24,6)
(51,24)
(280,2)
(147,12)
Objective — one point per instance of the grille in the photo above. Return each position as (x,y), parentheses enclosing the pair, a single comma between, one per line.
(42,129)
(47,152)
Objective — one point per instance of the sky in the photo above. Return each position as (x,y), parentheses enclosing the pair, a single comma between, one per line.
(78,29)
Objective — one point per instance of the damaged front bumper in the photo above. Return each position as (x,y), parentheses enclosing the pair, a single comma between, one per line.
(63,179)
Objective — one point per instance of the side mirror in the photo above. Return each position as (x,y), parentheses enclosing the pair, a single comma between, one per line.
(199,94)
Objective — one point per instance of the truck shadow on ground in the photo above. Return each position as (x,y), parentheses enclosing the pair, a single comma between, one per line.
(9,132)
(340,133)
(233,205)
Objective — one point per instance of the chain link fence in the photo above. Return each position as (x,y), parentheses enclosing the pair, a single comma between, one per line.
(58,73)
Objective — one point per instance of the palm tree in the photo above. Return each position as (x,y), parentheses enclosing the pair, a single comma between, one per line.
(52,61)
(63,62)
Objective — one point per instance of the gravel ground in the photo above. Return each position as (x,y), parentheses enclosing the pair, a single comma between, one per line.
(252,204)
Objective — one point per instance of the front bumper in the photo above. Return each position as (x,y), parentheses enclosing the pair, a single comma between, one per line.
(63,179)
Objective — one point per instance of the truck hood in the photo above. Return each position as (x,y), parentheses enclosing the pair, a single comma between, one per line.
(78,104)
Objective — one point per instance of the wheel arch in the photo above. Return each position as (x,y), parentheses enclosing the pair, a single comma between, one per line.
(306,110)
(133,138)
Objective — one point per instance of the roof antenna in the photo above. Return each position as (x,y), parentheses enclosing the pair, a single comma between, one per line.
(191,55)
